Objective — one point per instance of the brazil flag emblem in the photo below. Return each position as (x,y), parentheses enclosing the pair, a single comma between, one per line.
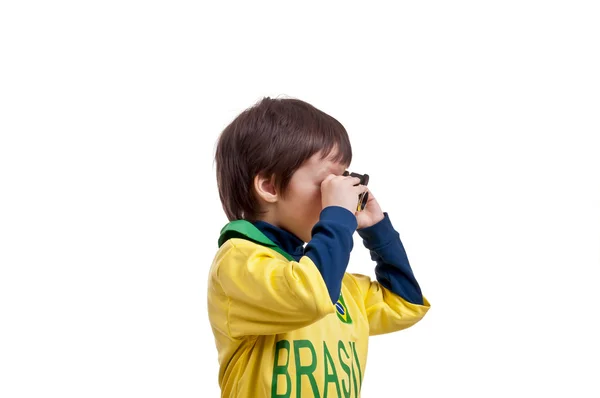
(342,311)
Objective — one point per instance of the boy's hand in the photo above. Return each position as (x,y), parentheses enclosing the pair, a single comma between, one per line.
(340,191)
(370,215)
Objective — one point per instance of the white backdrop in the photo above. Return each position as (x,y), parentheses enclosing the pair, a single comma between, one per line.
(477,122)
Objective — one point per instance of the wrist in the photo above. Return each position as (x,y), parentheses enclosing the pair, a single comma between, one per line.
(368,219)
(379,233)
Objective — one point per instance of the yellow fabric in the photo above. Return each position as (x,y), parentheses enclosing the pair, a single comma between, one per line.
(279,335)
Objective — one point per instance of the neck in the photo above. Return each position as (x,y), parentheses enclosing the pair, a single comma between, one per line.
(270,217)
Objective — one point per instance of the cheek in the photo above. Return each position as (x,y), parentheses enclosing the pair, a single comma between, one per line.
(316,205)
(306,192)
(309,200)
(315,195)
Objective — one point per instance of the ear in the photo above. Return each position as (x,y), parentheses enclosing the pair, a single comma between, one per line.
(265,188)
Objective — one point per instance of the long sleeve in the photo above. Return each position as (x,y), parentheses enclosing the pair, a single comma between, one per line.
(259,292)
(394,301)
(386,311)
(393,270)
(330,246)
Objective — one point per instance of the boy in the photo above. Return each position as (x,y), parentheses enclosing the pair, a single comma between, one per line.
(288,320)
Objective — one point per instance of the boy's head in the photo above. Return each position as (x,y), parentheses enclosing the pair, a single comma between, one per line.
(272,158)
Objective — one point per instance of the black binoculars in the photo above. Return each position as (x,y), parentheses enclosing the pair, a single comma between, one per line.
(363,197)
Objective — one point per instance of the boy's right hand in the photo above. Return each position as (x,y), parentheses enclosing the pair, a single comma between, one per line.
(340,191)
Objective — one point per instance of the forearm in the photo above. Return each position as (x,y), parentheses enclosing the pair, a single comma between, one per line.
(393,270)
(330,246)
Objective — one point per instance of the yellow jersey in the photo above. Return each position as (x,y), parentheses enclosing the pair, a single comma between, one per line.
(277,332)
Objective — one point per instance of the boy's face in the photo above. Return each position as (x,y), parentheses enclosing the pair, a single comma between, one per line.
(299,211)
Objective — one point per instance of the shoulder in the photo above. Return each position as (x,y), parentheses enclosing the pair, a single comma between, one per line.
(231,248)
(237,251)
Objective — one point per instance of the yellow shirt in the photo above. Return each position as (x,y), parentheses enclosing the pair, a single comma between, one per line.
(279,335)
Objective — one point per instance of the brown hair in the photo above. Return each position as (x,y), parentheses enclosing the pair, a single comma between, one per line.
(272,138)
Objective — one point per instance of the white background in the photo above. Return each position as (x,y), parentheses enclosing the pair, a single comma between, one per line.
(477,121)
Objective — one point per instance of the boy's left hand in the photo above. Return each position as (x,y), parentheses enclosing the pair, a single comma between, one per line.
(371,214)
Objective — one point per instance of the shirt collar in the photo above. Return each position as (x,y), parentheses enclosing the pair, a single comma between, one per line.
(286,240)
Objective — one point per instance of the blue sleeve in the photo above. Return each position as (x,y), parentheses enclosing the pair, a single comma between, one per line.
(393,269)
(330,246)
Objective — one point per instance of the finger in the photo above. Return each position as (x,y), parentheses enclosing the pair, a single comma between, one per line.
(329,177)
(361,188)
(354,180)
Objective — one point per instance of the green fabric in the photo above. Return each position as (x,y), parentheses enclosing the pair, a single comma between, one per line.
(246,230)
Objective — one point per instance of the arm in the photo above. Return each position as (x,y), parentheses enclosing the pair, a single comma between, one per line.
(386,311)
(394,301)
(268,294)
(393,270)
(265,293)
(330,246)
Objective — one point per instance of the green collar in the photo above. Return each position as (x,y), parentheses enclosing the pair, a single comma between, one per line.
(246,230)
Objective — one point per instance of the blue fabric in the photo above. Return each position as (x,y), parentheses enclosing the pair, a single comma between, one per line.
(393,270)
(329,248)
(287,241)
(331,244)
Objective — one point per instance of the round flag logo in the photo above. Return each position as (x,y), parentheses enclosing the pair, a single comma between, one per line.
(342,311)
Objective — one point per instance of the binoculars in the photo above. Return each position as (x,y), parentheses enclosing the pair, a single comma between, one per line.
(363,197)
